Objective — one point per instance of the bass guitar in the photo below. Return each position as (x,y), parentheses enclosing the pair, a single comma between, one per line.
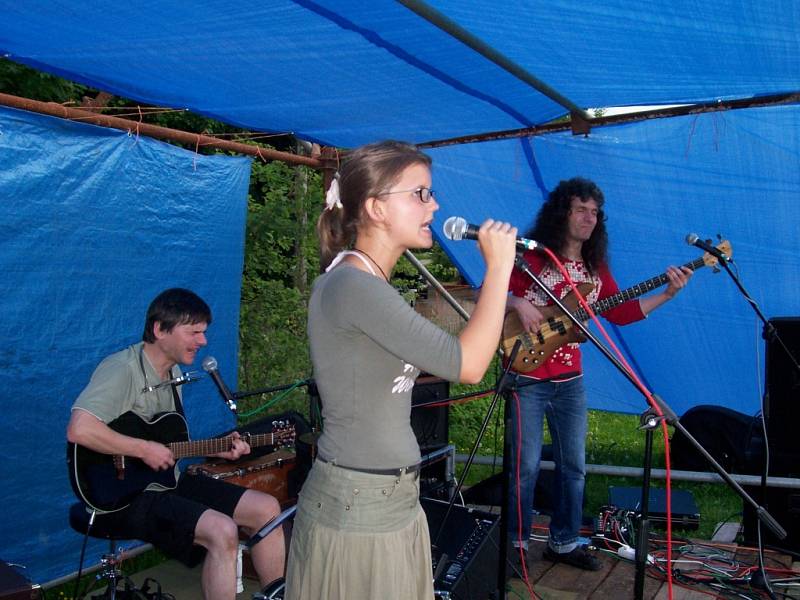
(558,329)
(109,482)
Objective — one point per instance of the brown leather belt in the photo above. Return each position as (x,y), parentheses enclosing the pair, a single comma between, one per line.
(393,472)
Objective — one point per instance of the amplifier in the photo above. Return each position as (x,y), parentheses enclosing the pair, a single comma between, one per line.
(685,513)
(437,473)
(466,551)
(430,423)
(14,586)
(269,473)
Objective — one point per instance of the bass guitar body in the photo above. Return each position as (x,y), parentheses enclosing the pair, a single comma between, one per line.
(556,330)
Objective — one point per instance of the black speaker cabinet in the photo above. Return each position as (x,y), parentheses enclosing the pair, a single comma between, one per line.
(437,477)
(465,553)
(430,423)
(782,415)
(783,400)
(14,586)
(784,506)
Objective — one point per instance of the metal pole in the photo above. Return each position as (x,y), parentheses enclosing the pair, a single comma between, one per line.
(452,28)
(638,472)
(156,131)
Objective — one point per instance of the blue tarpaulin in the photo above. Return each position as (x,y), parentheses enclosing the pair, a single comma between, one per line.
(95,223)
(733,173)
(347,72)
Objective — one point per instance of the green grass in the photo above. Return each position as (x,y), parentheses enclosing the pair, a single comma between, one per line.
(613,439)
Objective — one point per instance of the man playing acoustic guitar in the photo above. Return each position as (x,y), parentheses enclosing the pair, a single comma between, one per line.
(196,515)
(572,223)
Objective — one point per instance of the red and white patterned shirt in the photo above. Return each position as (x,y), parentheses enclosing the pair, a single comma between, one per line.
(567,359)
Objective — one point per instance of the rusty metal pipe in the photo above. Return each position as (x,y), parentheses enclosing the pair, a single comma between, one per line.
(156,131)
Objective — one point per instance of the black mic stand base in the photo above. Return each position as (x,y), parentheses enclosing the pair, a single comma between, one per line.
(648,421)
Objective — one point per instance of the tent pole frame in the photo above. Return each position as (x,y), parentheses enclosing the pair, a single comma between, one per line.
(580,117)
(645,115)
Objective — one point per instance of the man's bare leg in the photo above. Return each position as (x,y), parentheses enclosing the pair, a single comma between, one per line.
(269,555)
(219,534)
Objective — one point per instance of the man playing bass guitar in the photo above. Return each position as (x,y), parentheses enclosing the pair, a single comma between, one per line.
(572,223)
(192,515)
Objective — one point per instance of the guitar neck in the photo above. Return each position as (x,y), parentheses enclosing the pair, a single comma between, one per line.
(632,292)
(216,445)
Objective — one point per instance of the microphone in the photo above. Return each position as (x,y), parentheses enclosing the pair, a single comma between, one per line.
(210,367)
(457,229)
(694,240)
(189,377)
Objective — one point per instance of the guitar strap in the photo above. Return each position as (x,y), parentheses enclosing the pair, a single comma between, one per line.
(178,403)
(176,397)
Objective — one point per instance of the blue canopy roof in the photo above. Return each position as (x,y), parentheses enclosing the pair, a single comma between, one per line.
(346,72)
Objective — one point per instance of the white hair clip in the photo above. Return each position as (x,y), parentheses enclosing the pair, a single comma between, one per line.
(332,199)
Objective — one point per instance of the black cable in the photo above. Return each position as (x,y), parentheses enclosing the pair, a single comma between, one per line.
(80,563)
(726,520)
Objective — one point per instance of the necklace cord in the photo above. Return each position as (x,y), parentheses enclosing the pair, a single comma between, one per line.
(373,262)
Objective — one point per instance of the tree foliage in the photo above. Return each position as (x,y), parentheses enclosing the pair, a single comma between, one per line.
(281,260)
(281,250)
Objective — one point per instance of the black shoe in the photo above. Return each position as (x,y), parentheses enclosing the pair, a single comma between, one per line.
(273,591)
(579,557)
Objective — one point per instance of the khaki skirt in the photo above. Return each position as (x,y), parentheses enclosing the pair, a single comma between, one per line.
(359,536)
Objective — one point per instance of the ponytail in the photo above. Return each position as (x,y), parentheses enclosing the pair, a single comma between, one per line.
(334,235)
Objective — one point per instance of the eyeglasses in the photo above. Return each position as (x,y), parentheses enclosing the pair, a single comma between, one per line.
(423,193)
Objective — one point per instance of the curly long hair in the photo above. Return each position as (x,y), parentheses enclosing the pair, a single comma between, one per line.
(550,227)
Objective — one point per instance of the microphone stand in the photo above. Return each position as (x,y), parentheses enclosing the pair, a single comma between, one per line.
(502,382)
(314,402)
(650,421)
(770,333)
(268,390)
(759,578)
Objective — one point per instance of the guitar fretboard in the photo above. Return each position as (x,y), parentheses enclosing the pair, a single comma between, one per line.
(216,445)
(632,292)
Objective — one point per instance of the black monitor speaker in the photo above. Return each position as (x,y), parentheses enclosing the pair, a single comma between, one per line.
(782,416)
(783,397)
(430,423)
(464,549)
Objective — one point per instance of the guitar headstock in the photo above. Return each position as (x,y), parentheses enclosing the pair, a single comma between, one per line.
(724,246)
(283,434)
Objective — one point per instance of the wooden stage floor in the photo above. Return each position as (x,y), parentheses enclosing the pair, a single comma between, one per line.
(550,581)
(616,579)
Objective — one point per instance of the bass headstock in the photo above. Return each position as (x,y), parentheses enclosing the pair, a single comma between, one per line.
(712,261)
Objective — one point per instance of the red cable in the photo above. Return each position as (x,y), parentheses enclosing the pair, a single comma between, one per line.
(519,498)
(648,395)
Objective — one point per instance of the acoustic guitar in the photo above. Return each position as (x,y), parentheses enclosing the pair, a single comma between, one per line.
(109,482)
(558,329)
